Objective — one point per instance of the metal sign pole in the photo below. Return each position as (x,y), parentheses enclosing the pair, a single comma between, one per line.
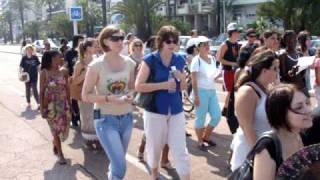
(75,28)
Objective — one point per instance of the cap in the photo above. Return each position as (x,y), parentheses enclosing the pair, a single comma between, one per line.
(232,27)
(191,42)
(202,39)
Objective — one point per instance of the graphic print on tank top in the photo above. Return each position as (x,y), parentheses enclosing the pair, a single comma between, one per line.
(117,87)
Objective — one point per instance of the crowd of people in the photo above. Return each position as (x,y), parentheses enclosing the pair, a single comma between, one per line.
(97,81)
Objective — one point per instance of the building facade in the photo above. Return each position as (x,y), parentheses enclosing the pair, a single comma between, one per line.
(204,15)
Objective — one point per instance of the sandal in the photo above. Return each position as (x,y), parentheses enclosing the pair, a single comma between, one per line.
(210,143)
(202,147)
(55,150)
(62,160)
(167,165)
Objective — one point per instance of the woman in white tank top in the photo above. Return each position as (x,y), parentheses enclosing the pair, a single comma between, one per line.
(262,70)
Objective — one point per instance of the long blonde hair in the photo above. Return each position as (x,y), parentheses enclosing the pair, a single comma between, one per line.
(88,42)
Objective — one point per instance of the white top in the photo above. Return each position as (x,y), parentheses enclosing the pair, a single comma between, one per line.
(239,143)
(112,83)
(206,72)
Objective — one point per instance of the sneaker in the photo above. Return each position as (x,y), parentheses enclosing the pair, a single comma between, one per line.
(38,108)
(140,156)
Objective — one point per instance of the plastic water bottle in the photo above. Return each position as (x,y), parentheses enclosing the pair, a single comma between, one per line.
(171,79)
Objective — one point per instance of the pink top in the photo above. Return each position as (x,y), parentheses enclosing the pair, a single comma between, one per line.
(316,65)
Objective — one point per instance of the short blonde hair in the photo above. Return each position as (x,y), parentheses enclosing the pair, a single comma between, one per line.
(135,41)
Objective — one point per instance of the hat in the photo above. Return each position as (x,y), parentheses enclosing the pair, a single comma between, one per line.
(191,42)
(232,27)
(202,39)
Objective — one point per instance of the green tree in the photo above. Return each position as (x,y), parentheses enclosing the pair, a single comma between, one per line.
(61,25)
(158,21)
(92,16)
(297,15)
(21,6)
(50,3)
(138,14)
(9,19)
(260,25)
(32,29)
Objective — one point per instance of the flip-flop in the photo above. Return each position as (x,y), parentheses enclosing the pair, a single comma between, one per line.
(62,161)
(210,142)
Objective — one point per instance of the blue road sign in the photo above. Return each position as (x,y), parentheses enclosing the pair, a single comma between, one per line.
(76,13)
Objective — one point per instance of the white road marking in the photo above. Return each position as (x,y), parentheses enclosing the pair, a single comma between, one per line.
(134,161)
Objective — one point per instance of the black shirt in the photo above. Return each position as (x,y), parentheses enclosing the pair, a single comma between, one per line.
(231,54)
(71,58)
(30,65)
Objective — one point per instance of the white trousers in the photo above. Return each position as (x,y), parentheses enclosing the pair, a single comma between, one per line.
(166,129)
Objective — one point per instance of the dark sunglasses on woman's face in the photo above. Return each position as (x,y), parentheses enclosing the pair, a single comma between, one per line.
(116,38)
(137,45)
(168,41)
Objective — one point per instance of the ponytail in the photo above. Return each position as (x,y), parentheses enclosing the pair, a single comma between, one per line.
(88,42)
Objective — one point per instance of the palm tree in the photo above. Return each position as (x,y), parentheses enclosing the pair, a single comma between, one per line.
(21,6)
(8,17)
(297,15)
(104,11)
(50,4)
(137,14)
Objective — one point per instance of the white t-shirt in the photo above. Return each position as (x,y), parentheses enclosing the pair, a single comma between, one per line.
(206,72)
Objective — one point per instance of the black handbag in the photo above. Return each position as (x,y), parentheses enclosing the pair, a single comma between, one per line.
(144,100)
(245,171)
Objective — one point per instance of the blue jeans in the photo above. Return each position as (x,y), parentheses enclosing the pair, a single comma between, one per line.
(208,104)
(114,132)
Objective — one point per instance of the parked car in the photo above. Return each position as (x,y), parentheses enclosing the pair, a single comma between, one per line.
(39,45)
(183,42)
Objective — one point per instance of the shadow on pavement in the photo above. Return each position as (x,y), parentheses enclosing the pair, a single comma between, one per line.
(29,114)
(217,156)
(73,172)
(95,163)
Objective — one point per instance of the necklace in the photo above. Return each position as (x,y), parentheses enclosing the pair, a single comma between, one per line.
(293,59)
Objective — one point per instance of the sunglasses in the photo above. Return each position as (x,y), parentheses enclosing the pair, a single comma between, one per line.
(116,38)
(137,45)
(252,36)
(168,41)
(205,43)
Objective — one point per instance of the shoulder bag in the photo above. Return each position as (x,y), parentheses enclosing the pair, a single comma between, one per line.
(245,171)
(143,100)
